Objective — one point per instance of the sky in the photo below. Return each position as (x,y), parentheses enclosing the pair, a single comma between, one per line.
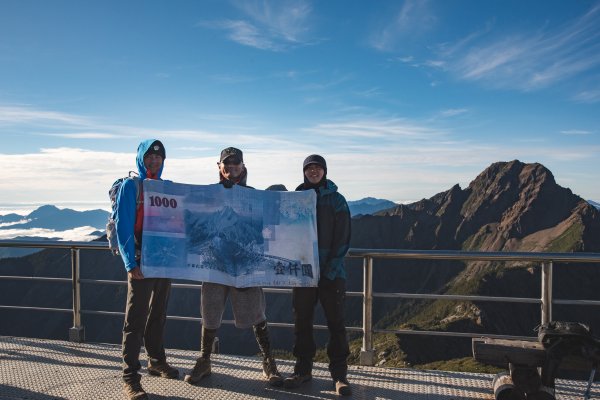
(404,99)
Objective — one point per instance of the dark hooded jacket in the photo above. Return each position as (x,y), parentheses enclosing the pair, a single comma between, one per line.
(333,229)
(126,212)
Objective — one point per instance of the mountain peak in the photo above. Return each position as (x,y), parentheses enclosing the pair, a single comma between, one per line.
(503,205)
(44,211)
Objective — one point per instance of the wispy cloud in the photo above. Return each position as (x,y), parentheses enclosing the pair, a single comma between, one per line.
(413,18)
(587,96)
(231,79)
(246,34)
(528,60)
(452,112)
(272,25)
(84,135)
(334,81)
(375,128)
(78,234)
(287,19)
(576,132)
(37,122)
(30,115)
(369,93)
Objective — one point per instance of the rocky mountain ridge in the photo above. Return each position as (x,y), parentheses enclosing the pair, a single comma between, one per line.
(511,206)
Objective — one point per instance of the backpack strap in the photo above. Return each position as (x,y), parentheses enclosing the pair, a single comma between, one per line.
(138,190)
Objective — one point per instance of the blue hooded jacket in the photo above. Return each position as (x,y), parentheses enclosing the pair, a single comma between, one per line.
(125,215)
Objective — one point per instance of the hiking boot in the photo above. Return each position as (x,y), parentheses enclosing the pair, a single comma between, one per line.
(134,391)
(294,381)
(270,372)
(342,387)
(163,370)
(200,370)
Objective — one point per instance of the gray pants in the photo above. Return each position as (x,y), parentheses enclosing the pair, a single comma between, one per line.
(248,305)
(145,317)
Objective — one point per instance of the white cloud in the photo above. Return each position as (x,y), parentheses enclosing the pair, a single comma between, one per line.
(576,132)
(413,18)
(84,135)
(273,25)
(77,234)
(375,128)
(5,224)
(24,114)
(452,112)
(285,19)
(406,60)
(247,34)
(58,124)
(528,60)
(587,96)
(393,166)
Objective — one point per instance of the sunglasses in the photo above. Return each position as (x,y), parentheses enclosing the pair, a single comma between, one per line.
(234,161)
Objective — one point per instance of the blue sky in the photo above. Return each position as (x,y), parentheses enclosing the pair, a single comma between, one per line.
(403,98)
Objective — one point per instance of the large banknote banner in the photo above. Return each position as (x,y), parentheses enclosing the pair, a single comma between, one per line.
(238,237)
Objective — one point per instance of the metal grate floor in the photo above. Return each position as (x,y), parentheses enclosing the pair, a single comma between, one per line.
(39,369)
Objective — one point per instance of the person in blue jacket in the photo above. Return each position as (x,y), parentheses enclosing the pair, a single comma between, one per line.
(147,298)
(333,231)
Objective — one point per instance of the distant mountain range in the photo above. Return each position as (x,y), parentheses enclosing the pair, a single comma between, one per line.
(369,205)
(51,217)
(595,204)
(51,223)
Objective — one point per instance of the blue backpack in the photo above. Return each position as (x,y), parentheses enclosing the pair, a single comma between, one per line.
(111,230)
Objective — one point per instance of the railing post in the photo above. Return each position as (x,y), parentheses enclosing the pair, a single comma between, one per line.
(367,353)
(546,292)
(77,332)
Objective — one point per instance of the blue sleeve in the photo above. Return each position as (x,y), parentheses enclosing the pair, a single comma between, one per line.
(125,222)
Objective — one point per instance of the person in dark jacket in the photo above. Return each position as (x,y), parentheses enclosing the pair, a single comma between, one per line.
(147,298)
(333,229)
(248,304)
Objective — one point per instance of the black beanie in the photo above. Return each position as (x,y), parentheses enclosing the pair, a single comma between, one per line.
(315,159)
(156,148)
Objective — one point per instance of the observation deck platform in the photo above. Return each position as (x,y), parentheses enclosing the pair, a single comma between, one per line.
(39,369)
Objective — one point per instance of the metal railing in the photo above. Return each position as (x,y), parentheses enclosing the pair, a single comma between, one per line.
(546,260)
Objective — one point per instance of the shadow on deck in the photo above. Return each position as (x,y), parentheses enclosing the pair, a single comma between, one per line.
(46,369)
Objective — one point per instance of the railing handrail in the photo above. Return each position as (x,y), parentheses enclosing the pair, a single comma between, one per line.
(54,244)
(546,260)
(474,255)
(361,253)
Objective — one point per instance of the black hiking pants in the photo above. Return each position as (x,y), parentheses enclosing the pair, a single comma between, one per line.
(145,317)
(331,294)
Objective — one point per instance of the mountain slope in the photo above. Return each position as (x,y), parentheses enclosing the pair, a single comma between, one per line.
(511,206)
